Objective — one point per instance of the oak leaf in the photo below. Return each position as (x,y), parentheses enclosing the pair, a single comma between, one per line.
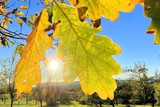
(85,55)
(19,22)
(23,7)
(2,11)
(107,8)
(50,1)
(28,67)
(20,13)
(3,26)
(151,9)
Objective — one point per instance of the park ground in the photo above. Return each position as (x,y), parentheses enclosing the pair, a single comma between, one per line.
(73,104)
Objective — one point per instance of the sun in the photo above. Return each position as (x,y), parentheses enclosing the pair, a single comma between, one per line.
(53,64)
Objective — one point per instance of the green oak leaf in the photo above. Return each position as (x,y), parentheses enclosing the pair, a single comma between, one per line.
(85,55)
(151,9)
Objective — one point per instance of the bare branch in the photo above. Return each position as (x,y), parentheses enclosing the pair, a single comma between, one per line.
(1,32)
(28,8)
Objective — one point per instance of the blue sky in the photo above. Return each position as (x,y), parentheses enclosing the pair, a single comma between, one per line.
(128,32)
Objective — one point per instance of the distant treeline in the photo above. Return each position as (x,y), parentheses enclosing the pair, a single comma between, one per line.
(138,88)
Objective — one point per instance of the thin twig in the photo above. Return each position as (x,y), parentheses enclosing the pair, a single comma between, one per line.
(28,8)
(12,36)
(13,4)
(12,31)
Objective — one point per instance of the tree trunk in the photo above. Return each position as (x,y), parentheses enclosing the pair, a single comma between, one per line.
(36,102)
(41,103)
(4,101)
(112,103)
(127,105)
(27,100)
(153,104)
(100,104)
(11,103)
(116,103)
(96,104)
(91,103)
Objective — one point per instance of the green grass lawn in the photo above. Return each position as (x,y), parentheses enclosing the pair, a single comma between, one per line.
(22,103)
(32,104)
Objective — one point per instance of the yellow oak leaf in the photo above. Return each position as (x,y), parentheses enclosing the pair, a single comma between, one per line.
(28,67)
(107,8)
(50,1)
(85,54)
(2,11)
(19,22)
(3,25)
(20,13)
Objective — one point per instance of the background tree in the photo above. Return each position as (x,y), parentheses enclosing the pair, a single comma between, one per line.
(64,95)
(8,70)
(137,72)
(95,99)
(77,93)
(156,86)
(157,92)
(52,95)
(35,93)
(2,88)
(41,91)
(125,93)
(144,90)
(142,85)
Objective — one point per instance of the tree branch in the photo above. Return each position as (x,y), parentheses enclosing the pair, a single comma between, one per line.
(12,36)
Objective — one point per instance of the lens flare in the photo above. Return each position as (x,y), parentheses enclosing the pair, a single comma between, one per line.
(53,64)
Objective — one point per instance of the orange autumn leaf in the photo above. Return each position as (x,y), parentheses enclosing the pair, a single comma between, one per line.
(28,68)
